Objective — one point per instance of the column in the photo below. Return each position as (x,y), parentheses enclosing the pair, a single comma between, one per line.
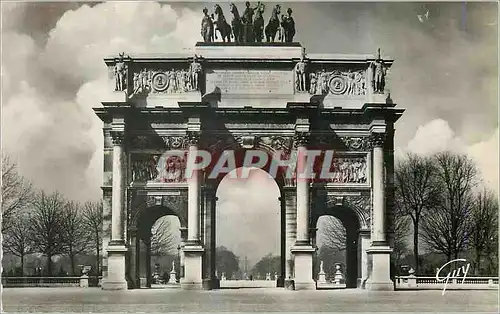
(116,279)
(183,244)
(210,281)
(149,273)
(290,203)
(302,250)
(133,266)
(193,250)
(379,278)
(363,245)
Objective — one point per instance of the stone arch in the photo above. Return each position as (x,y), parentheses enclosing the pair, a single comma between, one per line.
(160,206)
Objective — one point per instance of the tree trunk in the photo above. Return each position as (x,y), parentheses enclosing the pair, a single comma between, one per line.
(22,264)
(98,257)
(72,260)
(415,247)
(49,265)
(477,263)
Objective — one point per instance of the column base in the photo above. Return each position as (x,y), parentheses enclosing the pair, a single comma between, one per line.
(303,267)
(191,285)
(380,277)
(192,267)
(280,283)
(116,277)
(211,284)
(379,286)
(289,284)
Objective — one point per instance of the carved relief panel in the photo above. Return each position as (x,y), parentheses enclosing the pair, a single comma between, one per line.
(163,168)
(349,83)
(349,170)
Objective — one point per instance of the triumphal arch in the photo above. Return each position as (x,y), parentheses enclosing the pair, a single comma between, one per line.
(228,99)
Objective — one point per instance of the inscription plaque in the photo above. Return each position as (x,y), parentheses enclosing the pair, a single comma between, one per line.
(248,82)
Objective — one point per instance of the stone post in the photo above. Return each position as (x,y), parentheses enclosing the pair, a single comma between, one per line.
(380,252)
(116,279)
(303,251)
(193,250)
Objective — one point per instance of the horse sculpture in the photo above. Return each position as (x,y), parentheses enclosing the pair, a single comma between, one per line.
(274,24)
(221,25)
(236,24)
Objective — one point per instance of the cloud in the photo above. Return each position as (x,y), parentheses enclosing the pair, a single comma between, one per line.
(437,136)
(49,90)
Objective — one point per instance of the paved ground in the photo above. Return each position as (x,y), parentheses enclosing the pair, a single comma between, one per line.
(244,300)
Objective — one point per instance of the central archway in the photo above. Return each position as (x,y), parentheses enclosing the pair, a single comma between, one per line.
(249,228)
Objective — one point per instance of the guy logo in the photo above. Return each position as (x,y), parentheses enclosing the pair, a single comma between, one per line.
(461,271)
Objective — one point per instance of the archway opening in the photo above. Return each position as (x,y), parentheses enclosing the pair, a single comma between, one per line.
(337,242)
(249,230)
(158,249)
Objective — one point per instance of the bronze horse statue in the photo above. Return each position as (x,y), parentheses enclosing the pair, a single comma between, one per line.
(274,24)
(236,24)
(221,25)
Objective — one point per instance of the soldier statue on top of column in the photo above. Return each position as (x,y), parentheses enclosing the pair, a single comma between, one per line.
(379,72)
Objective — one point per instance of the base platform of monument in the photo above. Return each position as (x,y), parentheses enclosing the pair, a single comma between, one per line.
(289,284)
(211,284)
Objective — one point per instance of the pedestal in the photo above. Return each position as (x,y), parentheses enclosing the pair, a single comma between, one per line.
(116,268)
(380,278)
(303,267)
(193,268)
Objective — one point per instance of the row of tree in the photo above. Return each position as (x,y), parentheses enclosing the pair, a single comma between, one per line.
(450,210)
(34,222)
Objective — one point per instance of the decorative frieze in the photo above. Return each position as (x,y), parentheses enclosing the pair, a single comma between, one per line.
(301,138)
(158,142)
(350,83)
(349,143)
(193,137)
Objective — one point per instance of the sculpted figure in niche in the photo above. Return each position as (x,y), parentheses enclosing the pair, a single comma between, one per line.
(120,73)
(312,83)
(195,71)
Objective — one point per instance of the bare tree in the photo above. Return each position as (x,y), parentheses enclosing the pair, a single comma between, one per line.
(334,234)
(484,228)
(76,237)
(17,193)
(446,230)
(401,231)
(46,226)
(162,238)
(17,239)
(415,192)
(93,219)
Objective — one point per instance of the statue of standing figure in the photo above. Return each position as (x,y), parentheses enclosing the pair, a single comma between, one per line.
(195,70)
(247,19)
(300,74)
(289,26)
(120,73)
(379,72)
(207,27)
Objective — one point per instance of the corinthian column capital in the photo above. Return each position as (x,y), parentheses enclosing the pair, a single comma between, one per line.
(378,139)
(301,138)
(118,137)
(193,137)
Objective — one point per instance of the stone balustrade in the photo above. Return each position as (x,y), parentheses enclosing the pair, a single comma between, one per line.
(454,283)
(51,282)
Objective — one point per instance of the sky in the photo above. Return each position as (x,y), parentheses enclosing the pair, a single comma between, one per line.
(445,76)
